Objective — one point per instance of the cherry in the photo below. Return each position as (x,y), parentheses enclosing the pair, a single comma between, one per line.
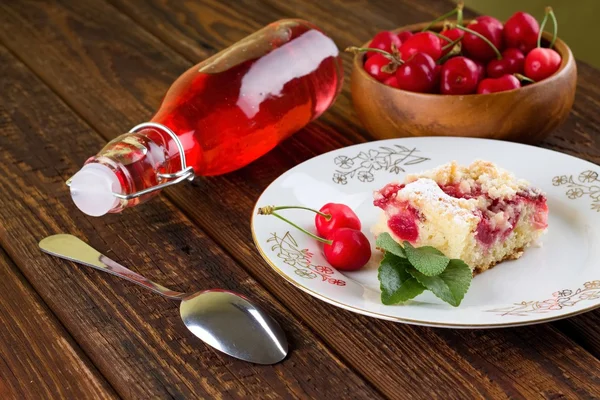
(513,62)
(418,74)
(404,35)
(392,81)
(349,249)
(374,65)
(486,19)
(404,224)
(333,216)
(521,31)
(382,65)
(384,41)
(453,34)
(475,46)
(346,249)
(422,42)
(540,63)
(437,72)
(459,75)
(501,84)
(480,70)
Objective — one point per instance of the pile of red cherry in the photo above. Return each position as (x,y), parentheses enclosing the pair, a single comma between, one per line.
(482,57)
(346,248)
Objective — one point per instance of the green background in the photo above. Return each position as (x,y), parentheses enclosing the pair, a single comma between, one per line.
(576,20)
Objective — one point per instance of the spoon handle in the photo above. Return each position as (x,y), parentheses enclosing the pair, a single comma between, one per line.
(74,249)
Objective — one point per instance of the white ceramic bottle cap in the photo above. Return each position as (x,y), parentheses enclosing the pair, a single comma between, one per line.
(92,189)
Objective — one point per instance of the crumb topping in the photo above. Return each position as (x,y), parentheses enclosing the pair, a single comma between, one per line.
(481,176)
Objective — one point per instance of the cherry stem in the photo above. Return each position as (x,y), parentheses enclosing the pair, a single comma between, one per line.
(389,56)
(549,13)
(452,44)
(554,27)
(459,13)
(326,216)
(270,210)
(455,51)
(447,39)
(443,17)
(523,78)
(480,36)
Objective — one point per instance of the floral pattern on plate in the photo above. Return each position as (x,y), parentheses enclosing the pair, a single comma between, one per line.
(561,299)
(288,251)
(587,184)
(366,163)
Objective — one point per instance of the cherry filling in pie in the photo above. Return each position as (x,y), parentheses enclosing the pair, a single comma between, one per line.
(481,213)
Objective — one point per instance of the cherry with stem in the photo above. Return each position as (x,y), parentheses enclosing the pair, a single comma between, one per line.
(346,247)
(480,36)
(542,62)
(395,60)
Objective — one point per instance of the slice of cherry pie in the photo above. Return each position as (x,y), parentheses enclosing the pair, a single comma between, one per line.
(481,213)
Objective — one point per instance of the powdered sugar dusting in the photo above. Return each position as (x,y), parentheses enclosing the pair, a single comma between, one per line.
(425,190)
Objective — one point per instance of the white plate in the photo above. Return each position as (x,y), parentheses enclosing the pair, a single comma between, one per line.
(559,279)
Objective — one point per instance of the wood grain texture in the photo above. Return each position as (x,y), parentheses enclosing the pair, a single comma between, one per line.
(49,364)
(582,329)
(115,80)
(134,337)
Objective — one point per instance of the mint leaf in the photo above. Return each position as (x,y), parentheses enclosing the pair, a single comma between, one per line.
(451,285)
(396,284)
(387,243)
(427,260)
(458,276)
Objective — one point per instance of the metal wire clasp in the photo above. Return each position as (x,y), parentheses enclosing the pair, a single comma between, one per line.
(186,173)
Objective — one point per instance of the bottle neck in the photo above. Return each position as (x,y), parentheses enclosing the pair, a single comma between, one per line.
(140,161)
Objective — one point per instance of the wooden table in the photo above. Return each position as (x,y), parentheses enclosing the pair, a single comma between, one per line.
(75,74)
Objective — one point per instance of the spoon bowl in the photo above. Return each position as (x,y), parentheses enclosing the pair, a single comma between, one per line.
(216,317)
(223,319)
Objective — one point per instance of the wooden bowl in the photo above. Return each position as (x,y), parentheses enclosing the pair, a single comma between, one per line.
(527,114)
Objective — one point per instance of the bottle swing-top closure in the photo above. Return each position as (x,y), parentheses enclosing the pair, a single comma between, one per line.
(186,173)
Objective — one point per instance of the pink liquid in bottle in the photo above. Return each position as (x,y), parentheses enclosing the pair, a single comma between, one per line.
(225,112)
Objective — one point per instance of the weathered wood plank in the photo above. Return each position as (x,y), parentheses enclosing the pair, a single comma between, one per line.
(48,364)
(583,330)
(390,355)
(134,337)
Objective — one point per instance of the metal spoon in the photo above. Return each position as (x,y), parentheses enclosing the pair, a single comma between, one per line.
(222,319)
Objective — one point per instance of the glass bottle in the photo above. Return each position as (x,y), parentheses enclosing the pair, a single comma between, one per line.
(217,117)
